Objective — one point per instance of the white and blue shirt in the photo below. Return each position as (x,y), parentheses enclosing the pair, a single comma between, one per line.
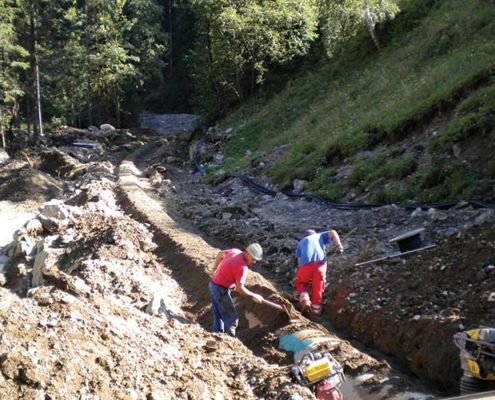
(312,248)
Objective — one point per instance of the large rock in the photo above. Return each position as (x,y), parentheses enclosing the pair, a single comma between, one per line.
(3,156)
(46,257)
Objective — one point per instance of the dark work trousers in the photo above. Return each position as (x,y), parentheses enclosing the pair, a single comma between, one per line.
(225,316)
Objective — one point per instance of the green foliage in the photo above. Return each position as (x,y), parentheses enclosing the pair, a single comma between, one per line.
(354,104)
(461,181)
(428,177)
(400,168)
(64,69)
(489,171)
(342,20)
(237,41)
(394,193)
(443,179)
(12,63)
(368,170)
(475,115)
(249,139)
(54,123)
(93,56)
(325,185)
(363,168)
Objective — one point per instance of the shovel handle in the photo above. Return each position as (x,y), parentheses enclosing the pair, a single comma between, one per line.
(274,305)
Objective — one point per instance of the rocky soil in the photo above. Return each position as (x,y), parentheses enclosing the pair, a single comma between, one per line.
(104,293)
(408,306)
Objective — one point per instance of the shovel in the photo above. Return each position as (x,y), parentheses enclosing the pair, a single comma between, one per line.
(274,305)
(278,307)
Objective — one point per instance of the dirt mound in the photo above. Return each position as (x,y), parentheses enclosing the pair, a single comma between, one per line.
(413,306)
(22,183)
(91,329)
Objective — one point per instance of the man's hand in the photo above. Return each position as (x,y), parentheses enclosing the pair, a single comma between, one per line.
(257,298)
(340,249)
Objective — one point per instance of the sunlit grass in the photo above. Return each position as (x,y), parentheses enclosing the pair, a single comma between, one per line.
(345,107)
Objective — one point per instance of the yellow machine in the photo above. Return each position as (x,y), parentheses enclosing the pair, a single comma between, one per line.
(321,372)
(477,359)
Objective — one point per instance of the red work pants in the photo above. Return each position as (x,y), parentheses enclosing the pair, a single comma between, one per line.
(313,274)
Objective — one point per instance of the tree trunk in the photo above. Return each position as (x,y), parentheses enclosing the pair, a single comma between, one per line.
(169,29)
(88,81)
(38,97)
(72,106)
(1,130)
(117,111)
(370,25)
(36,76)
(14,120)
(210,58)
(28,113)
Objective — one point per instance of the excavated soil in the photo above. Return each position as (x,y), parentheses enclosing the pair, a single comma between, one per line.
(144,226)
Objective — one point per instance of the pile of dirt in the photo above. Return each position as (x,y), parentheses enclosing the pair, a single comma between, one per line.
(19,183)
(107,321)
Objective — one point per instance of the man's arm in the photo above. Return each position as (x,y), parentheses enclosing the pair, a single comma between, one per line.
(244,291)
(333,235)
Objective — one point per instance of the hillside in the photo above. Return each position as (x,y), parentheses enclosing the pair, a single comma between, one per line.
(412,123)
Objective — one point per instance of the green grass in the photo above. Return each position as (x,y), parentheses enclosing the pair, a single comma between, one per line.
(349,105)
(474,116)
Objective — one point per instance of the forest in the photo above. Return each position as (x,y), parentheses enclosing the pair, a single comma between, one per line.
(88,62)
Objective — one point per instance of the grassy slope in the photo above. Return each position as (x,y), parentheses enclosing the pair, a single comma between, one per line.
(435,70)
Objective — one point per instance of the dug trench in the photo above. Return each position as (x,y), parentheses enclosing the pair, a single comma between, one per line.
(189,254)
(190,258)
(408,308)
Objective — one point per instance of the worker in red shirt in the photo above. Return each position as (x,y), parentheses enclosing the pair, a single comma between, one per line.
(231,273)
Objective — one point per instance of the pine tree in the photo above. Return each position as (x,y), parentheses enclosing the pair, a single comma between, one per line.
(12,62)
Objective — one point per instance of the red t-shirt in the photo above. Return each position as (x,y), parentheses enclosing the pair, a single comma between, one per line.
(232,269)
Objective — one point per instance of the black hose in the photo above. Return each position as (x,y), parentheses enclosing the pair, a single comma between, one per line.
(340,206)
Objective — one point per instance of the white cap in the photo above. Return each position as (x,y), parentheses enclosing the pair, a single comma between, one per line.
(255,250)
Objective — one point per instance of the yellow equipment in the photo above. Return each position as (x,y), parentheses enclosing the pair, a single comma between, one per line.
(321,372)
(477,359)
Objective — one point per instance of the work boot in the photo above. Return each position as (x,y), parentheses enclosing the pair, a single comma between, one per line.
(315,310)
(305,307)
(305,303)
